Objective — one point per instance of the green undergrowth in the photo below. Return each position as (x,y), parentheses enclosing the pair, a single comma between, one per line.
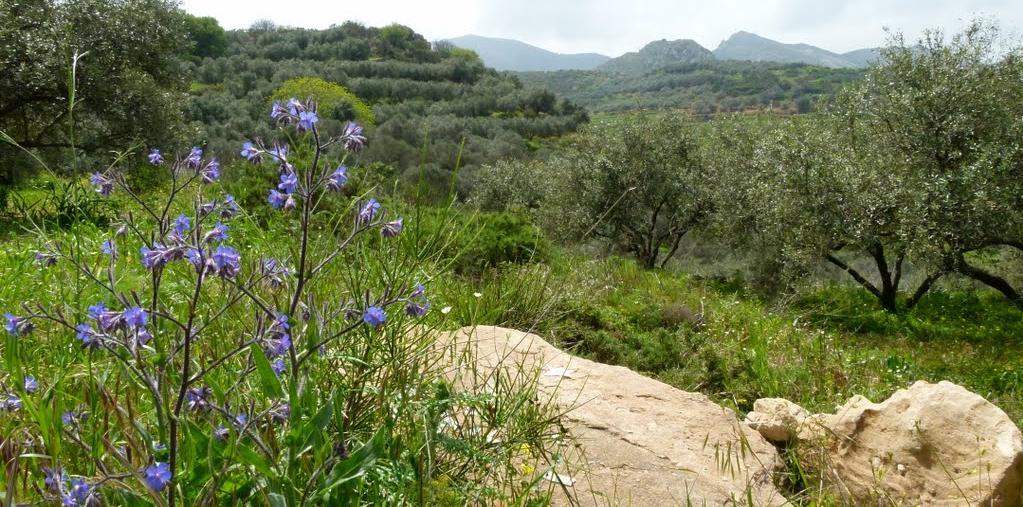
(715,338)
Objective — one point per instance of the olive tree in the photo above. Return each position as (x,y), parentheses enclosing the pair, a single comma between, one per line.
(947,113)
(800,191)
(919,163)
(641,187)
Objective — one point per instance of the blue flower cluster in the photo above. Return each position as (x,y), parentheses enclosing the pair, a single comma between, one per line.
(70,492)
(198,239)
(127,327)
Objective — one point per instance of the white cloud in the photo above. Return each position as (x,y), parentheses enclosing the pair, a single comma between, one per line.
(613,27)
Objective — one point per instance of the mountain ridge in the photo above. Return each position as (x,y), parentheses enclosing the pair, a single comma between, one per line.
(514,55)
(749,46)
(659,54)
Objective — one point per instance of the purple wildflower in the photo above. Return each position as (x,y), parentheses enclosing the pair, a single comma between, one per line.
(87,335)
(103,185)
(17,326)
(182,225)
(392,228)
(159,255)
(276,111)
(207,207)
(11,403)
(275,272)
(352,137)
(230,207)
(374,316)
(54,478)
(220,432)
(279,153)
(142,336)
(194,257)
(211,172)
(108,320)
(136,317)
(96,310)
(46,259)
(109,248)
(289,183)
(194,159)
(290,203)
(277,346)
(31,384)
(417,304)
(278,366)
(295,107)
(281,323)
(338,178)
(155,158)
(226,261)
(198,398)
(218,233)
(280,413)
(80,494)
(157,476)
(417,308)
(369,210)
(241,420)
(251,153)
(276,199)
(307,120)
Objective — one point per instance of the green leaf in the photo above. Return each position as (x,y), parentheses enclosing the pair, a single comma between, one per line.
(277,500)
(268,381)
(249,456)
(356,465)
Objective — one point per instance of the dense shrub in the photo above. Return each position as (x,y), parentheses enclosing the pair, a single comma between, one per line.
(487,240)
(333,101)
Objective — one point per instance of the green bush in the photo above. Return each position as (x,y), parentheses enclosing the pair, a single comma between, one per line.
(333,100)
(495,238)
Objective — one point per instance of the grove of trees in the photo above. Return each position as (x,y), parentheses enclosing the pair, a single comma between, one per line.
(913,174)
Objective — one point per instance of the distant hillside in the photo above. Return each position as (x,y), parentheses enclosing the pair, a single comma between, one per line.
(862,57)
(754,48)
(508,54)
(703,88)
(659,54)
(465,113)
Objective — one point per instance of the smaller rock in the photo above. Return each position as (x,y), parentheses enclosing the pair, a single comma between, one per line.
(931,444)
(776,419)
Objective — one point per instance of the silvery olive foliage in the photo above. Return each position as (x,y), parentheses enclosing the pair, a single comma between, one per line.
(641,188)
(947,114)
(916,168)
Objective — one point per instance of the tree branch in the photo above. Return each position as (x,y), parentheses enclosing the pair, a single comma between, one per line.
(855,274)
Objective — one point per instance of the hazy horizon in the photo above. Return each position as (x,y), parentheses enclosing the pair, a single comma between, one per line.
(609,28)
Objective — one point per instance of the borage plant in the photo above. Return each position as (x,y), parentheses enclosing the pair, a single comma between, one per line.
(224,362)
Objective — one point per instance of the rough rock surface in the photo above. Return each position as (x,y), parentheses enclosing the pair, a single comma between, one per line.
(931,444)
(777,419)
(640,441)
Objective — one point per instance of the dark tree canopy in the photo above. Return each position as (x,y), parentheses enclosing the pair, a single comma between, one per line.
(127,78)
(208,39)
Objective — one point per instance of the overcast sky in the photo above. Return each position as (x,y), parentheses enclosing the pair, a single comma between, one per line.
(613,27)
